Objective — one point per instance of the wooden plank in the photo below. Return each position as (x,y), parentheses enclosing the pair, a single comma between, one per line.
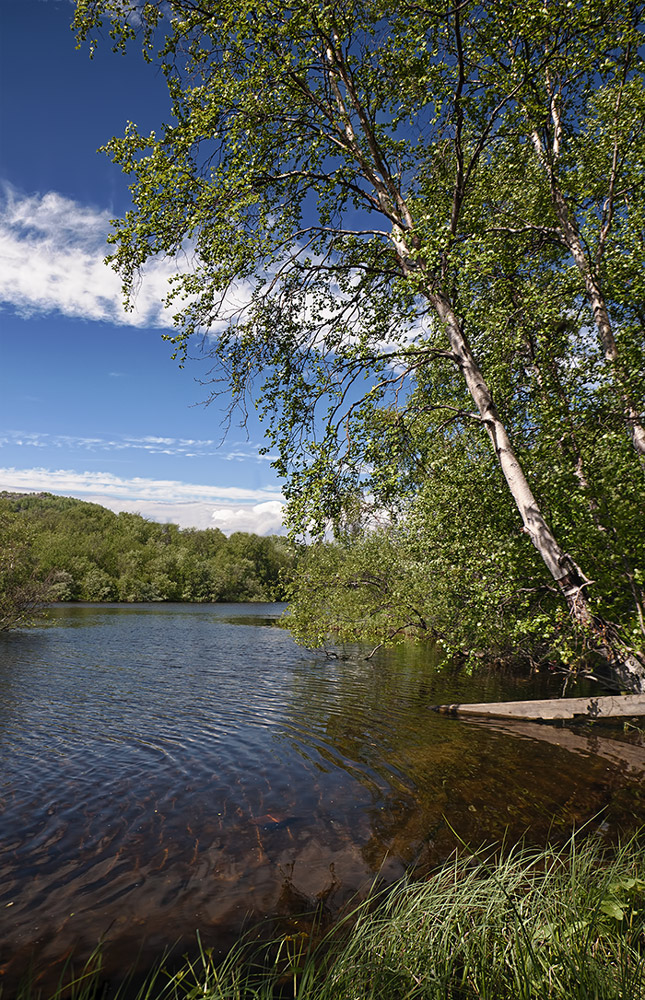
(604,707)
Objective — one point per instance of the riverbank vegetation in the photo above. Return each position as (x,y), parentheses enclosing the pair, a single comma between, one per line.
(60,549)
(413,236)
(451,562)
(22,592)
(562,923)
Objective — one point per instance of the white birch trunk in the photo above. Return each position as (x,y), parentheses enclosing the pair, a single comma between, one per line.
(602,322)
(570,235)
(557,562)
(626,671)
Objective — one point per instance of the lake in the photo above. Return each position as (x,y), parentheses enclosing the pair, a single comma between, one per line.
(168,768)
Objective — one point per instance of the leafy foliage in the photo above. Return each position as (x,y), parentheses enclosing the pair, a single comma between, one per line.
(452,562)
(21,591)
(82,552)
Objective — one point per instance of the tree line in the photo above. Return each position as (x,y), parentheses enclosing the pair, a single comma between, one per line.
(59,549)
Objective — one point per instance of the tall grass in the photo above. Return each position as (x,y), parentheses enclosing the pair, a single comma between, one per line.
(564,923)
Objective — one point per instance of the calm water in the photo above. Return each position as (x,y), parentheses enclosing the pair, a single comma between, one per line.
(171,767)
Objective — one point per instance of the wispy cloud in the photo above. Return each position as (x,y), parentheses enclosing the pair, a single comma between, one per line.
(152,444)
(68,480)
(230,508)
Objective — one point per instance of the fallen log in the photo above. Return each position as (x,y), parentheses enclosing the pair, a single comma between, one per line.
(604,707)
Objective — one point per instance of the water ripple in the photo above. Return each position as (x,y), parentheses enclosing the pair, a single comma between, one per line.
(164,768)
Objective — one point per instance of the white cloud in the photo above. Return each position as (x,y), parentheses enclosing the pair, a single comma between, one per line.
(52,257)
(261,519)
(52,253)
(230,508)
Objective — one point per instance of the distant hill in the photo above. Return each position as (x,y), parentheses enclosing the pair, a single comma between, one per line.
(88,553)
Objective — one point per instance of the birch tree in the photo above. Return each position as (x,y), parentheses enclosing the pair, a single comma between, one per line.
(324,167)
(581,118)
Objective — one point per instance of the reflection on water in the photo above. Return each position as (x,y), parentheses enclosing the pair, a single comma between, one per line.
(172,767)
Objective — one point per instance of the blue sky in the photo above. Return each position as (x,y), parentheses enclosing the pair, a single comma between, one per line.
(91,404)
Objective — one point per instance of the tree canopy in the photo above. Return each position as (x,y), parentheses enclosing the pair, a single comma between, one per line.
(69,550)
(409,230)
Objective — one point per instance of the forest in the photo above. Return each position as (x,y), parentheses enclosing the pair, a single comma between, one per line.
(59,549)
